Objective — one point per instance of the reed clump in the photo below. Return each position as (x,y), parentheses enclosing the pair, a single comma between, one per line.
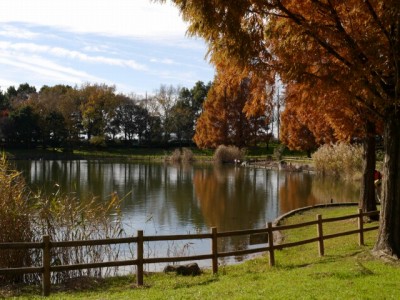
(340,160)
(228,154)
(66,218)
(184,155)
(15,223)
(26,216)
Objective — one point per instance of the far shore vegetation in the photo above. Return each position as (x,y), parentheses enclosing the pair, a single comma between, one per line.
(339,160)
(261,151)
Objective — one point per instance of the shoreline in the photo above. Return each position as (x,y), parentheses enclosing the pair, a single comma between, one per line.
(289,164)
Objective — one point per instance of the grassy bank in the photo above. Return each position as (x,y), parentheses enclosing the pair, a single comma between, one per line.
(141,153)
(81,153)
(347,271)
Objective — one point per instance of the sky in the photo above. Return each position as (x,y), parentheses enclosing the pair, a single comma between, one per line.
(134,45)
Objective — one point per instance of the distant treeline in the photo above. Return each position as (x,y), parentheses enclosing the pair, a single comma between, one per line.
(94,114)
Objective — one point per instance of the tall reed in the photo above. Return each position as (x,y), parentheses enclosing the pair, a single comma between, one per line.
(66,218)
(340,160)
(15,221)
(26,216)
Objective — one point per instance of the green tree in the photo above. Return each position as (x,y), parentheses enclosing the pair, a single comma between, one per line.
(186,110)
(154,131)
(132,119)
(141,121)
(11,93)
(17,96)
(61,101)
(3,101)
(23,127)
(54,130)
(181,120)
(69,103)
(97,108)
(198,94)
(25,90)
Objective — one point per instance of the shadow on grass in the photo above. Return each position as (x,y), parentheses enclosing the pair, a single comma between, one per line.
(188,283)
(323,260)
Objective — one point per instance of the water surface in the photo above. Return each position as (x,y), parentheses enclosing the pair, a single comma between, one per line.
(173,199)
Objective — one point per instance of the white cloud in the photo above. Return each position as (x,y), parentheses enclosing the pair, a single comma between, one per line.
(15,32)
(65,53)
(134,44)
(133,18)
(95,48)
(166,61)
(184,77)
(34,67)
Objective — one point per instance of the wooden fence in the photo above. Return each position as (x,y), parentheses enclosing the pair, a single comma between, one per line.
(46,245)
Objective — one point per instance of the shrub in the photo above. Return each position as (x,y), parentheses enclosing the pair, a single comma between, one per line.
(98,141)
(175,157)
(278,151)
(228,154)
(187,155)
(340,160)
(181,155)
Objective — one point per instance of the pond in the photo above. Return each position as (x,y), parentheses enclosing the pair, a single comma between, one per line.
(163,199)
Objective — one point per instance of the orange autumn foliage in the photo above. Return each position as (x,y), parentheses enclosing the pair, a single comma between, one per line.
(236,110)
(315,116)
(346,48)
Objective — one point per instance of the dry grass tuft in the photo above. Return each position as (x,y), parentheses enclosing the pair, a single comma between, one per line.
(15,223)
(340,160)
(26,217)
(228,154)
(184,155)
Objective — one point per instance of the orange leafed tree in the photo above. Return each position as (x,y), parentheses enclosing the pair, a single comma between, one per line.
(303,126)
(351,46)
(336,73)
(236,110)
(316,115)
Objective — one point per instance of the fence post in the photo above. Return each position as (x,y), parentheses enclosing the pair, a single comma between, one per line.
(139,267)
(46,266)
(214,248)
(271,245)
(360,227)
(320,236)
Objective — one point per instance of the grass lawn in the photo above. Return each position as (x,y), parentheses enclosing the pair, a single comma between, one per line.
(347,271)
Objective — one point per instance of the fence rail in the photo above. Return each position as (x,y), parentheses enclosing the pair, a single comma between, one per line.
(46,245)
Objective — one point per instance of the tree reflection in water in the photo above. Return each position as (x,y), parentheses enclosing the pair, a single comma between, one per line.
(167,199)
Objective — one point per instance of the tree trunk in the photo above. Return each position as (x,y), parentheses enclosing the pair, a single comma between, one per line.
(367,195)
(388,243)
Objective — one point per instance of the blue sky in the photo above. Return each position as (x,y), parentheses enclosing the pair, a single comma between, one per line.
(136,45)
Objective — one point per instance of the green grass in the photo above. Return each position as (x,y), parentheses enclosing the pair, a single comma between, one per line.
(347,271)
(143,153)
(136,152)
